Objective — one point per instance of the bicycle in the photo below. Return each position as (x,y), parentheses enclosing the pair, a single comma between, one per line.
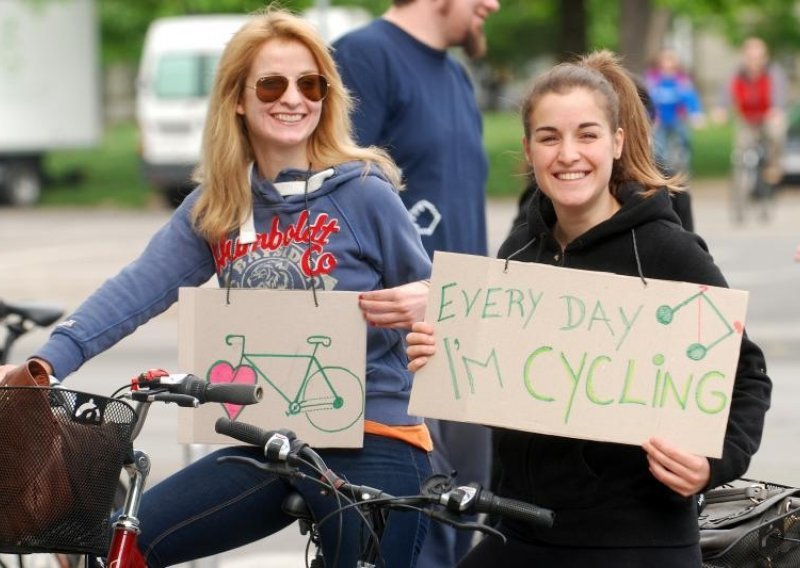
(673,149)
(748,184)
(98,434)
(331,397)
(439,498)
(19,318)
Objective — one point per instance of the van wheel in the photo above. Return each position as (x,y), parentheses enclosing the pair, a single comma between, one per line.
(21,185)
(176,194)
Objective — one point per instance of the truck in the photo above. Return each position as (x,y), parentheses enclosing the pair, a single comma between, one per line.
(50,89)
(176,72)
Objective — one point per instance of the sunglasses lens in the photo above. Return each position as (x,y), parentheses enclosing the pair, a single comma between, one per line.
(270,89)
(313,87)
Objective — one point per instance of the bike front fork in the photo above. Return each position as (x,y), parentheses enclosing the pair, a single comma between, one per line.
(124,549)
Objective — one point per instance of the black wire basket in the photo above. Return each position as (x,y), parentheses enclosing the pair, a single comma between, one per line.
(61,453)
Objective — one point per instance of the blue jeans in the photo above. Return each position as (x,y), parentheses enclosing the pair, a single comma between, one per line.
(467,449)
(208,508)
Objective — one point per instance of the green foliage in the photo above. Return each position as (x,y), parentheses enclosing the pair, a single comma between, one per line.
(603,24)
(776,21)
(502,137)
(104,176)
(520,30)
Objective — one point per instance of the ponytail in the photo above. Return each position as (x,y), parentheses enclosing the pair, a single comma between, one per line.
(636,162)
(601,72)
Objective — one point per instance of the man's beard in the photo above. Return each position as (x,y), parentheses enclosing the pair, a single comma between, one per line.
(475,44)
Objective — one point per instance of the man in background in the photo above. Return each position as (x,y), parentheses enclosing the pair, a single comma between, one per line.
(417,101)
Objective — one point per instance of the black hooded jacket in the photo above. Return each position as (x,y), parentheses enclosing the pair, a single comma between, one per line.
(603,493)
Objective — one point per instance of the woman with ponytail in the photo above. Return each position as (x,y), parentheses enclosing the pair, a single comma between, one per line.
(603,205)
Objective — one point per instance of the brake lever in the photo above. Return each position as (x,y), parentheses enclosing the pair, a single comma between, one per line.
(281,468)
(451,520)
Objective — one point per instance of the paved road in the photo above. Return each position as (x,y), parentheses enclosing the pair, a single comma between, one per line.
(61,255)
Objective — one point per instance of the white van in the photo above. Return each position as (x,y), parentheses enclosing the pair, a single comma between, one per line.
(176,72)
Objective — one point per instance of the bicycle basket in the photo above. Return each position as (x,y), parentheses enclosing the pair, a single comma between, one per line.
(751,526)
(61,453)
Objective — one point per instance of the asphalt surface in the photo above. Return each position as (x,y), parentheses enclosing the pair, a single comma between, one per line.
(61,255)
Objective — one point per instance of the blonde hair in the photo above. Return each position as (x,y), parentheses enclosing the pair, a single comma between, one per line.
(601,73)
(226,150)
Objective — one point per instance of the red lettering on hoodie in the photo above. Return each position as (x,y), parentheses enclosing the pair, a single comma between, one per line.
(315,260)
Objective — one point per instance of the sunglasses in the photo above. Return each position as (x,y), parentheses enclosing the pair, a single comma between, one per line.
(269,89)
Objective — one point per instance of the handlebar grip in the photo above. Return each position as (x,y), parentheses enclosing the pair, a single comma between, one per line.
(219,392)
(243,432)
(232,393)
(490,503)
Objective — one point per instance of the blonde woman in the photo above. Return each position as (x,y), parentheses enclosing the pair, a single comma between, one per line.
(285,199)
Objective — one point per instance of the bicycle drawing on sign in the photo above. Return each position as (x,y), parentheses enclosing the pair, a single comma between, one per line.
(330,397)
(698,350)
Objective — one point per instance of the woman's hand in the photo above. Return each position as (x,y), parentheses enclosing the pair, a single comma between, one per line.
(5,369)
(421,345)
(397,307)
(686,474)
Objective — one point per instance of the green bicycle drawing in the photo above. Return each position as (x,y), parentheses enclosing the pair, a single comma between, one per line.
(331,397)
(697,351)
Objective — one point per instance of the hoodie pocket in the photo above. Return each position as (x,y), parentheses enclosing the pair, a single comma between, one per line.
(547,470)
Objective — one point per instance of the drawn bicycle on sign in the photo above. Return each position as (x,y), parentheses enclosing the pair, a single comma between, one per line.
(331,397)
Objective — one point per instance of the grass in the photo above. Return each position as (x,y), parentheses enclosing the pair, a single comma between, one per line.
(108,176)
(105,176)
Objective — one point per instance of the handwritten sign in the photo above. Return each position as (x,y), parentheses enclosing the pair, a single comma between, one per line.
(310,361)
(581,354)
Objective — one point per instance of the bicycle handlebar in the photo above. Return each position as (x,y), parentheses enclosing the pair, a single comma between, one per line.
(189,390)
(283,446)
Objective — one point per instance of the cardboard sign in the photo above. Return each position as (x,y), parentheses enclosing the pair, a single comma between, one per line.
(310,361)
(581,354)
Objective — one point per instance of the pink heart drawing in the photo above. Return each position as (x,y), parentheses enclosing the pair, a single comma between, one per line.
(223,372)
(738,326)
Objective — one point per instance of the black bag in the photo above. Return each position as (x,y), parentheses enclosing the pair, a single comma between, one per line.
(750,524)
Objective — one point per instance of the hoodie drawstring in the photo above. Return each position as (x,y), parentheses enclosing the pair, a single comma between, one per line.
(308,213)
(516,252)
(638,260)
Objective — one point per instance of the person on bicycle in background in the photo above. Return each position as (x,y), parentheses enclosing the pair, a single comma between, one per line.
(278,158)
(603,205)
(758,94)
(677,110)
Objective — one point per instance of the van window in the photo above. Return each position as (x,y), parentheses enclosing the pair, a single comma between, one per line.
(185,75)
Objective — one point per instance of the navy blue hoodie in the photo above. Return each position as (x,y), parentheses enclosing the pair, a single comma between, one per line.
(362,238)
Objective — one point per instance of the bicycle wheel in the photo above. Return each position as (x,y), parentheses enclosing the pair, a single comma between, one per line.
(744,180)
(333,399)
